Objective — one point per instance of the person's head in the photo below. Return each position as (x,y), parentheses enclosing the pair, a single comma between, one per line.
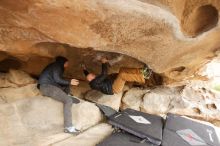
(90,77)
(63,61)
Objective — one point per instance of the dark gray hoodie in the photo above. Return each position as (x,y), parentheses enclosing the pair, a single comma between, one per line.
(53,73)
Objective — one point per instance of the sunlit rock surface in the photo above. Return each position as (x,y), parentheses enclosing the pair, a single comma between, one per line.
(39,119)
(133,98)
(113,101)
(175,38)
(196,100)
(90,137)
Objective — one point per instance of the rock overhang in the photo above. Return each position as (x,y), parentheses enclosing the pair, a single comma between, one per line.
(164,34)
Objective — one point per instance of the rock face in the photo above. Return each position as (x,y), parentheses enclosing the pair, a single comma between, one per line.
(159,100)
(15,78)
(86,115)
(17,85)
(34,31)
(133,98)
(113,101)
(90,137)
(27,121)
(196,100)
(13,94)
(27,118)
(202,99)
(19,78)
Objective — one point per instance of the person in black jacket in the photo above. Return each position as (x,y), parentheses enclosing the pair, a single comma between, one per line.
(52,84)
(108,84)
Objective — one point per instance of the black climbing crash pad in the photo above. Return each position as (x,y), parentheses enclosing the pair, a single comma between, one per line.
(123,139)
(181,131)
(106,110)
(142,125)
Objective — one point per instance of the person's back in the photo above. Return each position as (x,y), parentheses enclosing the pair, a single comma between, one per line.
(102,83)
(46,76)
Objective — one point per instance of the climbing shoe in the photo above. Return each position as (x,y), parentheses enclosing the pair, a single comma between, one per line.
(74,99)
(146,71)
(71,130)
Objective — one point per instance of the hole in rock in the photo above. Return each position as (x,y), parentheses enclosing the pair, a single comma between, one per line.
(9,63)
(211,106)
(179,69)
(202,19)
(197,110)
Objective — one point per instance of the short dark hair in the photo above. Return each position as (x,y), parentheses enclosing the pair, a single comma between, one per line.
(86,72)
(61,59)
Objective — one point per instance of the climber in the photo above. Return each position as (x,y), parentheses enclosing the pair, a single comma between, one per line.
(52,84)
(109,84)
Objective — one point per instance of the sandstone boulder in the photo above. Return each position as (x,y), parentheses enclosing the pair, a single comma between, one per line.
(198,96)
(15,78)
(19,77)
(13,132)
(133,98)
(196,100)
(81,90)
(85,115)
(29,120)
(113,101)
(53,139)
(159,100)
(91,137)
(4,82)
(12,94)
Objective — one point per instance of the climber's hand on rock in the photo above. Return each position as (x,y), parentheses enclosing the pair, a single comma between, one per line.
(104,60)
(83,66)
(74,82)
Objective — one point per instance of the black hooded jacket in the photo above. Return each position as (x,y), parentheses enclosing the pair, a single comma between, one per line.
(53,73)
(103,82)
